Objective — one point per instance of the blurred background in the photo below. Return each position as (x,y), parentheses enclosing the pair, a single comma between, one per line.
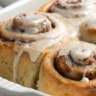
(4,3)
(10,8)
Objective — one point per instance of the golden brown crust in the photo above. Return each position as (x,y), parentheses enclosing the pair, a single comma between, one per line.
(46,7)
(7,52)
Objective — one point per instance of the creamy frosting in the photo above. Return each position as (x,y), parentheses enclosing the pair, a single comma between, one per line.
(16,60)
(79,54)
(85,79)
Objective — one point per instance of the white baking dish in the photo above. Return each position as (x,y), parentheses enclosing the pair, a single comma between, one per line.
(5,3)
(9,88)
(20,6)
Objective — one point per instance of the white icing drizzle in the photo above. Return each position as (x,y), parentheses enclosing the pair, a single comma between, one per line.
(16,60)
(42,41)
(85,79)
(35,49)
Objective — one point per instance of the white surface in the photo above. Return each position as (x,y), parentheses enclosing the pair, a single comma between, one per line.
(8,88)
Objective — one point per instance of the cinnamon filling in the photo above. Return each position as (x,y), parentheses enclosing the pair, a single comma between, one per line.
(78,63)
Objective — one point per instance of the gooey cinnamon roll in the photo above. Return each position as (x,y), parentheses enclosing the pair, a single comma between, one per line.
(74,10)
(24,42)
(72,71)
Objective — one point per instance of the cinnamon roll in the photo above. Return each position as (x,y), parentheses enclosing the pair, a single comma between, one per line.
(76,10)
(24,42)
(69,72)
(88,29)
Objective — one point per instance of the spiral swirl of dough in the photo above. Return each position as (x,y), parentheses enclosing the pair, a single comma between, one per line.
(77,61)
